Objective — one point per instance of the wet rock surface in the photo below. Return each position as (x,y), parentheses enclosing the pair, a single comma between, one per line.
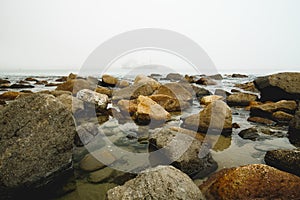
(255,181)
(286,160)
(216,117)
(240,99)
(36,142)
(159,183)
(182,151)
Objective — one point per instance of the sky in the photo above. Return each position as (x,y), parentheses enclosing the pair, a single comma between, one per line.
(246,36)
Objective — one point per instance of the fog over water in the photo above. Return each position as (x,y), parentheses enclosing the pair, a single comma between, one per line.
(246,36)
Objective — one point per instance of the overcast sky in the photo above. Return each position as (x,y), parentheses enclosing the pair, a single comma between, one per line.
(238,35)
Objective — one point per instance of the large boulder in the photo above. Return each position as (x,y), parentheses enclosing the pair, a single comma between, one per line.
(36,143)
(284,159)
(132,92)
(175,90)
(216,117)
(182,151)
(256,181)
(240,99)
(279,86)
(161,182)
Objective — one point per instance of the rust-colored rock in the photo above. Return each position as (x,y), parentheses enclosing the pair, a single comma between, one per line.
(9,95)
(256,181)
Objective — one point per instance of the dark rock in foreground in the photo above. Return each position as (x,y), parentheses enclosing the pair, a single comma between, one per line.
(279,86)
(36,141)
(255,181)
(286,160)
(161,183)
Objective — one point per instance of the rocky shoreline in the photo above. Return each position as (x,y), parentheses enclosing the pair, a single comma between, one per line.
(52,142)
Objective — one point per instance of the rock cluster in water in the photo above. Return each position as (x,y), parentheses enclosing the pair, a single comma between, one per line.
(40,146)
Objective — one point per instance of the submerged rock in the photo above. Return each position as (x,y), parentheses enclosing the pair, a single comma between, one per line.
(286,160)
(161,182)
(36,142)
(216,117)
(182,151)
(256,181)
(250,133)
(279,86)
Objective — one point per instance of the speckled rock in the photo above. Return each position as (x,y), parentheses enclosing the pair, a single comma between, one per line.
(216,117)
(256,181)
(36,142)
(89,96)
(279,86)
(160,183)
(286,160)
(182,149)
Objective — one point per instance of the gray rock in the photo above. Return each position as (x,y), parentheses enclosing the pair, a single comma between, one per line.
(160,183)
(250,133)
(279,86)
(89,96)
(186,153)
(174,76)
(36,142)
(286,160)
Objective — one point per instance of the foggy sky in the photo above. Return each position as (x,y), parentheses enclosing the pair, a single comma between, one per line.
(238,35)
